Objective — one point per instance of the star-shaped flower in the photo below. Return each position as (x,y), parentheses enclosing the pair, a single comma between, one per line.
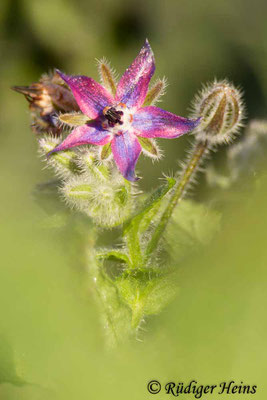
(121,119)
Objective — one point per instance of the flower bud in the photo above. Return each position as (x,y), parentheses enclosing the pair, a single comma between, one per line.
(107,202)
(221,108)
(65,163)
(46,98)
(92,167)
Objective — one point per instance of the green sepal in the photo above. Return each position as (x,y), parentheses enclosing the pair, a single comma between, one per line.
(79,192)
(148,146)
(156,91)
(105,151)
(88,162)
(122,195)
(67,159)
(74,119)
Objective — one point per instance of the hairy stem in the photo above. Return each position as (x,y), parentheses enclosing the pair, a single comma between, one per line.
(177,194)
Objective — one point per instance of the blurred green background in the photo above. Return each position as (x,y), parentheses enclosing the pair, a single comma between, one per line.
(50,332)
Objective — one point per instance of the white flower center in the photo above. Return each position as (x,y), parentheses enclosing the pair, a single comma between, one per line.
(117,119)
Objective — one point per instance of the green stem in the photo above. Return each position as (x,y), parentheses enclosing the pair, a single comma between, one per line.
(176,196)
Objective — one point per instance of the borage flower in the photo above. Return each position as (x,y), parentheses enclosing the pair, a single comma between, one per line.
(120,119)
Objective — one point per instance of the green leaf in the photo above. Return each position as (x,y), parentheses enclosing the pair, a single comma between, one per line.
(192,225)
(143,220)
(8,373)
(144,216)
(159,293)
(113,255)
(115,313)
(146,292)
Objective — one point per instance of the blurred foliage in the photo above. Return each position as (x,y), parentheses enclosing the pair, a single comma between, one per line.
(216,328)
(193,225)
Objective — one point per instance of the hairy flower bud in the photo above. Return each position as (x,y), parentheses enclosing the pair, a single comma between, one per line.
(65,163)
(107,202)
(92,167)
(221,108)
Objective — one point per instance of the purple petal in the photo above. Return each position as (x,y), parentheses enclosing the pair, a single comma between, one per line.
(91,97)
(154,122)
(133,85)
(126,150)
(91,133)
